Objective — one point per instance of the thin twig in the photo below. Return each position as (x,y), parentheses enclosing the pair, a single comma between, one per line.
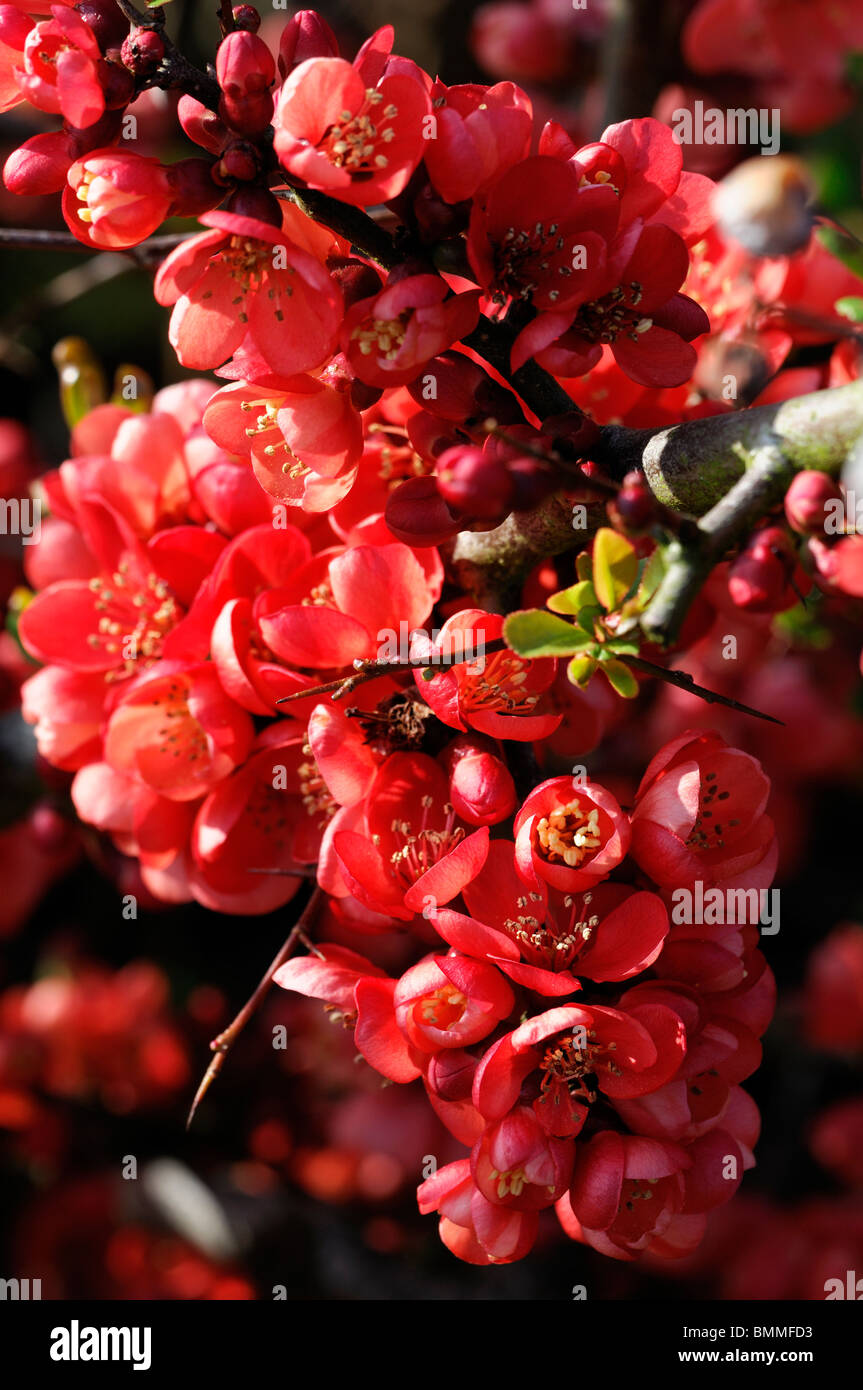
(226,18)
(146,254)
(684,681)
(370,670)
(222,1045)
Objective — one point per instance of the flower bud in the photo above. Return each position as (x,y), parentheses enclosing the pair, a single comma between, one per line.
(201,125)
(245,72)
(758,578)
(481,788)
(118,85)
(246,18)
(417,514)
(142,51)
(475,482)
(105,20)
(193,187)
(116,198)
(806,501)
(634,507)
(450,1074)
(463,392)
(306,35)
(355,279)
(241,161)
(256,202)
(39,165)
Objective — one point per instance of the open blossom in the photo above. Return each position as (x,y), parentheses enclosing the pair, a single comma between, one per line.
(500,695)
(478,1231)
(413,849)
(354,130)
(303,436)
(570,834)
(246,280)
(625,1193)
(572,1053)
(177,732)
(480,132)
(58,64)
(389,338)
(699,814)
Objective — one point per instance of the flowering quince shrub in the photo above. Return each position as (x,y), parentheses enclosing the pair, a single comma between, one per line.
(310,628)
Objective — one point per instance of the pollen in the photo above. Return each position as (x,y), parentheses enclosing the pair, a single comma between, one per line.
(568,835)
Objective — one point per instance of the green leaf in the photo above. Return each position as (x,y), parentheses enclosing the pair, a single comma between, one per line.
(580,670)
(621,679)
(534,633)
(621,647)
(573,599)
(851,307)
(584,565)
(651,577)
(615,567)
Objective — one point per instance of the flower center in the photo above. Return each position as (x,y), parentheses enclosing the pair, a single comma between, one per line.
(443,1008)
(567,835)
(572,1063)
(510,1183)
(520,261)
(314,792)
(419,850)
(382,336)
(549,943)
(499,686)
(134,619)
(265,423)
(708,830)
(603,320)
(353,143)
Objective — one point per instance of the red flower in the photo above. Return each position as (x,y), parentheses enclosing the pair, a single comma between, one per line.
(338,608)
(116,198)
(636,311)
(247,282)
(699,814)
(569,834)
(560,1060)
(256,820)
(499,695)
(415,850)
(480,132)
(450,1001)
(542,939)
(390,337)
(119,620)
(518,1164)
(476,1230)
(176,731)
(304,437)
(525,236)
(625,1192)
(60,69)
(353,130)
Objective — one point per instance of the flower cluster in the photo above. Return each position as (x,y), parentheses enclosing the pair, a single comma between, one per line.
(586,1048)
(274,662)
